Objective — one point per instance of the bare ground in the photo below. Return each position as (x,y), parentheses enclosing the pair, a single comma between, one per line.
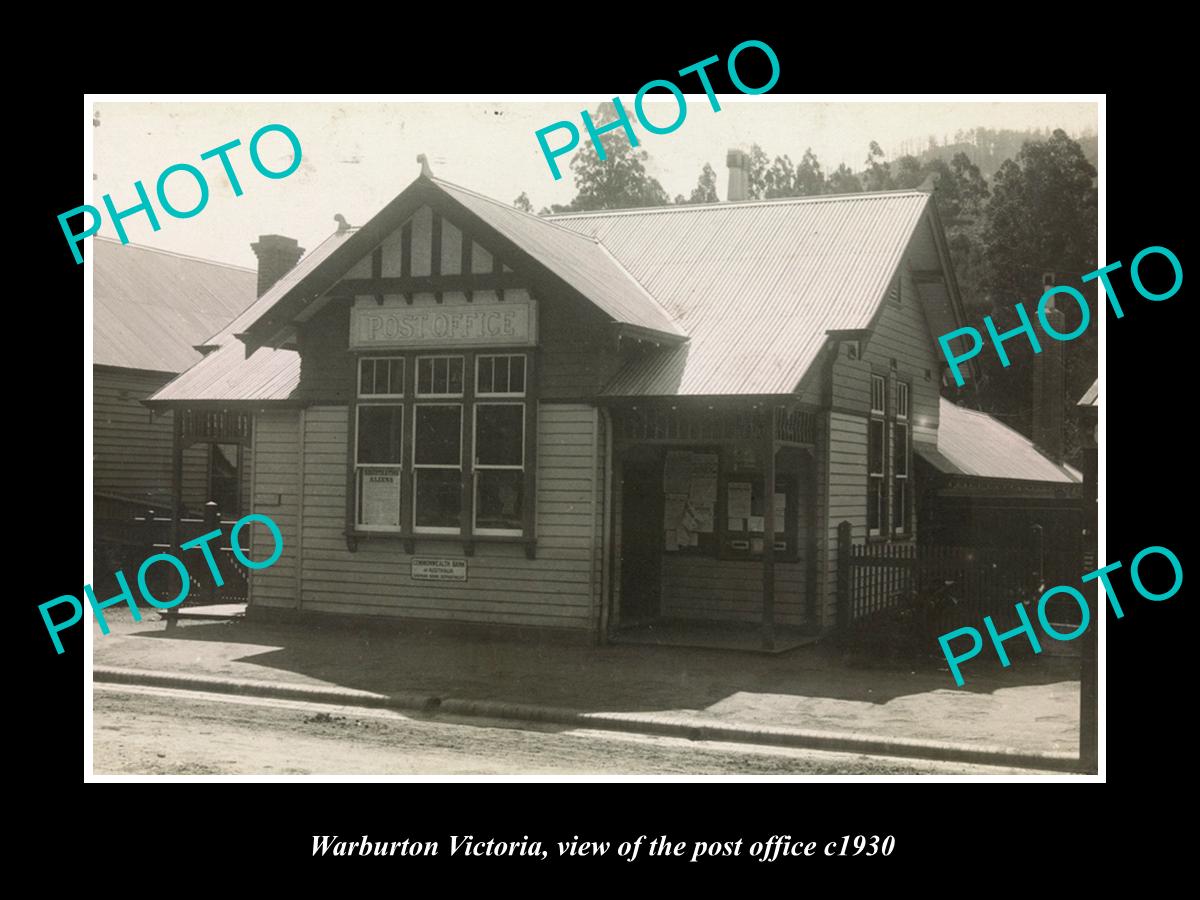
(154,731)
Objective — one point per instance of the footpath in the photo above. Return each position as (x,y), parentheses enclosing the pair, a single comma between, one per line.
(1025,716)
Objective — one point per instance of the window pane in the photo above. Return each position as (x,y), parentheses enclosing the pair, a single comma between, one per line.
(874,500)
(425,376)
(379,431)
(498,498)
(366,376)
(900,449)
(484,384)
(499,432)
(438,435)
(875,448)
(900,499)
(396,379)
(501,383)
(455,366)
(379,496)
(516,374)
(439,498)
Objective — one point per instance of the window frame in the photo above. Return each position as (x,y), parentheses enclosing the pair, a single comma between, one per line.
(359,466)
(902,419)
(477,466)
(358,390)
(417,467)
(417,393)
(503,394)
(878,480)
(467,402)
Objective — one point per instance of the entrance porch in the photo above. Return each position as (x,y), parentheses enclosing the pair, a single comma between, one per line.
(715,524)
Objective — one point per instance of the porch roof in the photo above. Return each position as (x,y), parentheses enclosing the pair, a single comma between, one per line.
(972,443)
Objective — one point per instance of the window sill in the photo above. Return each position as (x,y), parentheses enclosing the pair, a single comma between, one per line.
(353,536)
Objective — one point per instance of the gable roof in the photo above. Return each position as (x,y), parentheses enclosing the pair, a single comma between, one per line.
(576,261)
(576,258)
(755,285)
(152,307)
(970,442)
(267,373)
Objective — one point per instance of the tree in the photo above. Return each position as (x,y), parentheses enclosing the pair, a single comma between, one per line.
(843,181)
(619,180)
(809,180)
(756,187)
(680,200)
(522,203)
(1041,217)
(705,190)
(878,176)
(779,180)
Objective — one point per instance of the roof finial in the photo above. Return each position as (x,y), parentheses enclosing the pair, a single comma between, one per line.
(343,225)
(426,172)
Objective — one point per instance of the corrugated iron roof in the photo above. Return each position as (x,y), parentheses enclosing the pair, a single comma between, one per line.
(152,306)
(1092,396)
(578,259)
(755,285)
(267,374)
(970,442)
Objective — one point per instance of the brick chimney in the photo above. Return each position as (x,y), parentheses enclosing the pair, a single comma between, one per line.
(277,255)
(1049,376)
(739,175)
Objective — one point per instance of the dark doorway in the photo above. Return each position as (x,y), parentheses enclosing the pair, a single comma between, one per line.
(641,534)
(224,479)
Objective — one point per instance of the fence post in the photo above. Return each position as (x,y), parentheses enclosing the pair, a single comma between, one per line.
(843,577)
(212,520)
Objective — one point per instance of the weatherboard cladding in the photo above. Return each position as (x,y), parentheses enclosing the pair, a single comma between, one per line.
(755,285)
(152,307)
(973,443)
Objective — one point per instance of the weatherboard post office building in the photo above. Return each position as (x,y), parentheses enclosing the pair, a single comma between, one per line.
(593,422)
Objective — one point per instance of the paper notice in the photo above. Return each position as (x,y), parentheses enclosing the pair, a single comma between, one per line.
(671,543)
(704,519)
(677,473)
(756,545)
(757,523)
(736,525)
(703,489)
(738,499)
(673,509)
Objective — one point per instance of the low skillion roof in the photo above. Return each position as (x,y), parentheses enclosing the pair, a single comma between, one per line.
(755,285)
(267,374)
(152,307)
(972,443)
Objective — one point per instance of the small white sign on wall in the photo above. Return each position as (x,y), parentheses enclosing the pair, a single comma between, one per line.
(435,569)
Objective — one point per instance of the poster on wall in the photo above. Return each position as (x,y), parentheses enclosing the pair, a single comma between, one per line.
(381,497)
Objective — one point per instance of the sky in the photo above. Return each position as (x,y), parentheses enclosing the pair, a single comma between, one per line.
(357,156)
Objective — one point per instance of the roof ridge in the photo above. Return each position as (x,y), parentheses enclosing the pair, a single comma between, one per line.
(545,220)
(739,204)
(176,253)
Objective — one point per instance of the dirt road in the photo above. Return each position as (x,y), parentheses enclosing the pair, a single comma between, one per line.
(155,731)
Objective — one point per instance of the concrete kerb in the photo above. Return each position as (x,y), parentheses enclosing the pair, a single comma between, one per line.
(630,723)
